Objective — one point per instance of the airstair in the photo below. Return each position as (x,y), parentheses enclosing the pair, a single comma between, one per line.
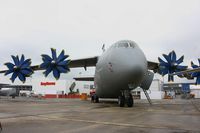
(147,96)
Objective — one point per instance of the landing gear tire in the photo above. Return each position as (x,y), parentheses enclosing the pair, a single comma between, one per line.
(129,101)
(121,101)
(94,98)
(125,98)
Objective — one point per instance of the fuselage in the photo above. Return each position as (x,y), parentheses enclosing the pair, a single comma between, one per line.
(122,65)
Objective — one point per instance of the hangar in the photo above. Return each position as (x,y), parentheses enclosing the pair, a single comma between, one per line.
(158,89)
(16,88)
(46,86)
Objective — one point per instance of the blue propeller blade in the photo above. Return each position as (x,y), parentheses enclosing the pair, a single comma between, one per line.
(56,64)
(26,63)
(21,77)
(62,69)
(193,65)
(22,60)
(162,63)
(198,80)
(16,60)
(171,66)
(167,58)
(48,70)
(180,60)
(9,65)
(14,76)
(63,63)
(196,74)
(20,68)
(173,56)
(56,73)
(26,72)
(44,65)
(54,55)
(46,58)
(164,72)
(61,57)
(8,72)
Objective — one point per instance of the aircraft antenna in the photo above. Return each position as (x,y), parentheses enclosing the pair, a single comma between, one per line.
(103,48)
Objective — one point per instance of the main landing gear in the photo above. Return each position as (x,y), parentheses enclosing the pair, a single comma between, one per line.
(125,98)
(94,98)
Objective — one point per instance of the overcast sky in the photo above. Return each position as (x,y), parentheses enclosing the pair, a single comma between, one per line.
(80,27)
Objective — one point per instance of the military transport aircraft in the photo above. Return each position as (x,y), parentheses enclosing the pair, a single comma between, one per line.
(120,69)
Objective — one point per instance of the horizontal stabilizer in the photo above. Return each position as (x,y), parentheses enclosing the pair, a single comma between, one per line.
(153,66)
(84,78)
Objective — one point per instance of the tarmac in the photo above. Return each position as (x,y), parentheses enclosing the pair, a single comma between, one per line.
(23,115)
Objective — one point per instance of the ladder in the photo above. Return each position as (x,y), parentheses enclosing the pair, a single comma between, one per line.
(147,96)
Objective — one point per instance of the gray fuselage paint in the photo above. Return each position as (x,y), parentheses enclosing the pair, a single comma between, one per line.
(117,68)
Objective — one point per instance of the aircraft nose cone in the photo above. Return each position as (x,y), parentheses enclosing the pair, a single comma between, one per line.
(130,67)
(135,72)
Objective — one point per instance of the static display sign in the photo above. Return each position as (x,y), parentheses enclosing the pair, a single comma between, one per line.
(48,83)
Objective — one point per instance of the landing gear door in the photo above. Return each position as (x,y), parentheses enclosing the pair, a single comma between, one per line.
(146,83)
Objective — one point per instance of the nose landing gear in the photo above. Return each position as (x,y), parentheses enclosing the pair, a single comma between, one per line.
(125,98)
(121,101)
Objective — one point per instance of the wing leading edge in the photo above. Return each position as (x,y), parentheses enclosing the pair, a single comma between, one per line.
(85,62)
(187,72)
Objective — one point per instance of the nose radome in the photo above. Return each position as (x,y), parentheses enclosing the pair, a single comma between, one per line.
(135,71)
(130,66)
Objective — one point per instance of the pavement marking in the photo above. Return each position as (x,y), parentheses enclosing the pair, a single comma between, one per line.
(195,106)
(117,124)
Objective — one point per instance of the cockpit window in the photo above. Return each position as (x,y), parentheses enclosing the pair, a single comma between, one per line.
(132,45)
(123,45)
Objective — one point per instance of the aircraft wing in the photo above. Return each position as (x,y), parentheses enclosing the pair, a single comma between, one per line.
(187,72)
(85,62)
(153,66)
(84,78)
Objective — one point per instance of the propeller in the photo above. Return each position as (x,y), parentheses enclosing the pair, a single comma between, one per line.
(20,68)
(171,65)
(196,74)
(56,64)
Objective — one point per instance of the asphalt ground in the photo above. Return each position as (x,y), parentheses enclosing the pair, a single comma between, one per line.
(23,115)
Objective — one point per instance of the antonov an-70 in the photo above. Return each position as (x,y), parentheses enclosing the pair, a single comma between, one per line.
(120,69)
